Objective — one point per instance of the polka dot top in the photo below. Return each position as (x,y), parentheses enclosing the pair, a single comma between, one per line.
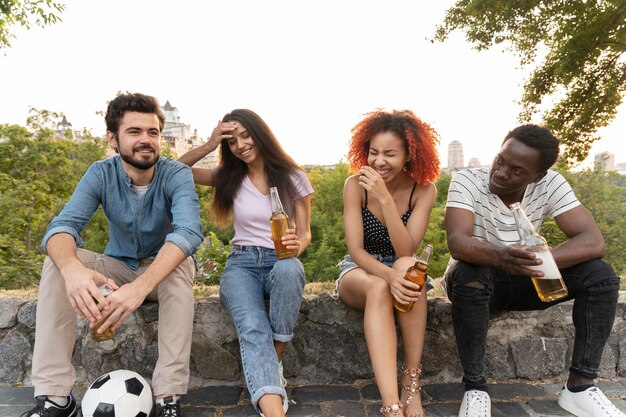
(376,238)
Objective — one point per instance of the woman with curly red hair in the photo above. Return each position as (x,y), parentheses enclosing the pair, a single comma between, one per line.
(387,206)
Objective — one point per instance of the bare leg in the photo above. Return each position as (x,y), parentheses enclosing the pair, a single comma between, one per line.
(280,347)
(371,294)
(413,330)
(576,380)
(271,405)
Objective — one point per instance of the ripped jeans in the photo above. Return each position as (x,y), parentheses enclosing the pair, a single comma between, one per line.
(593,285)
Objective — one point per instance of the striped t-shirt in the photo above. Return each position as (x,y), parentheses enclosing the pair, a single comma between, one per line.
(493,220)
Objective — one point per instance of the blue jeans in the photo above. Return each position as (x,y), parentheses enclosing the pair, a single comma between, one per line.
(252,275)
(593,285)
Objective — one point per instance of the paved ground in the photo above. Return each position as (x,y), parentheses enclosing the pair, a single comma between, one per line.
(358,400)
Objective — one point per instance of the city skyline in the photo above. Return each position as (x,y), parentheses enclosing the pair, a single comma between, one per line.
(604,160)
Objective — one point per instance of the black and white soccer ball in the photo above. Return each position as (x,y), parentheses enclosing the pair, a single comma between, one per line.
(120,393)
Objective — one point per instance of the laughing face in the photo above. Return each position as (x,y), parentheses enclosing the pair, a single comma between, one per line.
(242,145)
(387,155)
(138,139)
(514,167)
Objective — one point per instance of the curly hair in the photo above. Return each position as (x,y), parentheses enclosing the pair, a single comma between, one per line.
(420,142)
(540,138)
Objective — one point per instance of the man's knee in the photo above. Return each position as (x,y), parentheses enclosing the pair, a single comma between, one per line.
(476,284)
(467,280)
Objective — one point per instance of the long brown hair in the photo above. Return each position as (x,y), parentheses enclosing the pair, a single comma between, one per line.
(231,170)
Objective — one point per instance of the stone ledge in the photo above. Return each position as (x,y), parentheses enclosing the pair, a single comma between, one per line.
(328,347)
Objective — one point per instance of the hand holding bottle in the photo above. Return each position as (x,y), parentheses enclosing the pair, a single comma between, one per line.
(404,292)
(549,284)
(279,223)
(517,260)
(417,275)
(291,241)
(105,287)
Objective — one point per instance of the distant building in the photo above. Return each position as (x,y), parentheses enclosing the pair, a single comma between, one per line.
(455,155)
(175,133)
(604,161)
(473,163)
(180,138)
(64,130)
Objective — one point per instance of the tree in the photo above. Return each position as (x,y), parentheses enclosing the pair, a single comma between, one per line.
(583,72)
(26,13)
(38,174)
(328,246)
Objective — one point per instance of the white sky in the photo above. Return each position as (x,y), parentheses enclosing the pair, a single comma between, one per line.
(311,69)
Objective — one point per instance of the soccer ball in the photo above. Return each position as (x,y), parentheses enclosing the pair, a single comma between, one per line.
(120,393)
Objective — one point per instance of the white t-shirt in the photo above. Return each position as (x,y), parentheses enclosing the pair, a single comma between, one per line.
(252,211)
(493,220)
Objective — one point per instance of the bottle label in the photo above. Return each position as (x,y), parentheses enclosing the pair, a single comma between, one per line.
(548,267)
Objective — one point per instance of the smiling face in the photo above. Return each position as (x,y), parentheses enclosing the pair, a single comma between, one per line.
(138,139)
(514,167)
(387,155)
(242,145)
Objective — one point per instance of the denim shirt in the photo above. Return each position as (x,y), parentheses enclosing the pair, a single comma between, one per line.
(169,211)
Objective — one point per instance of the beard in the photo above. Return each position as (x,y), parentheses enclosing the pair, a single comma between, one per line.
(138,160)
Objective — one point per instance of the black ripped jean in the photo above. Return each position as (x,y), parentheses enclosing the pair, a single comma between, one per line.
(593,285)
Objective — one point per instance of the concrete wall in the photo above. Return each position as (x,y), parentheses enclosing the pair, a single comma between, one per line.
(329,346)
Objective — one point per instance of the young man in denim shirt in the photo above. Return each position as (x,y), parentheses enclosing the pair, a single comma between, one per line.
(488,272)
(154,228)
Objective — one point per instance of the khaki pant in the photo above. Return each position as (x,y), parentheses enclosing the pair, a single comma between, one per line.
(55,334)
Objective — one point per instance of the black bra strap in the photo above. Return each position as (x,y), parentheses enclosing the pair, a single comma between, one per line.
(365,206)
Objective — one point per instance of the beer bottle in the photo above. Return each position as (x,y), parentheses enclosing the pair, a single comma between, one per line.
(417,275)
(105,290)
(279,222)
(550,286)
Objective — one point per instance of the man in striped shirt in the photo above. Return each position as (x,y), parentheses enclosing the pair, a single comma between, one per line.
(488,272)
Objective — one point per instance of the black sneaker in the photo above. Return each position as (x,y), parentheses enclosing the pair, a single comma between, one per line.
(170,409)
(53,410)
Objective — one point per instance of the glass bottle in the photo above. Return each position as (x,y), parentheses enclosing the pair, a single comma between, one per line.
(417,275)
(279,223)
(105,290)
(550,286)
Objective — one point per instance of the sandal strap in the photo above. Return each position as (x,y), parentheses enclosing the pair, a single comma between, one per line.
(414,388)
(391,408)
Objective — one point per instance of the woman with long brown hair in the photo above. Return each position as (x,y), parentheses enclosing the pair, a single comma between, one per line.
(251,162)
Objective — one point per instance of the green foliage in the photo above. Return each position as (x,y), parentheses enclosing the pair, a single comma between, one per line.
(442,184)
(328,246)
(19,268)
(583,72)
(604,195)
(166,150)
(26,13)
(211,258)
(207,218)
(436,236)
(37,176)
